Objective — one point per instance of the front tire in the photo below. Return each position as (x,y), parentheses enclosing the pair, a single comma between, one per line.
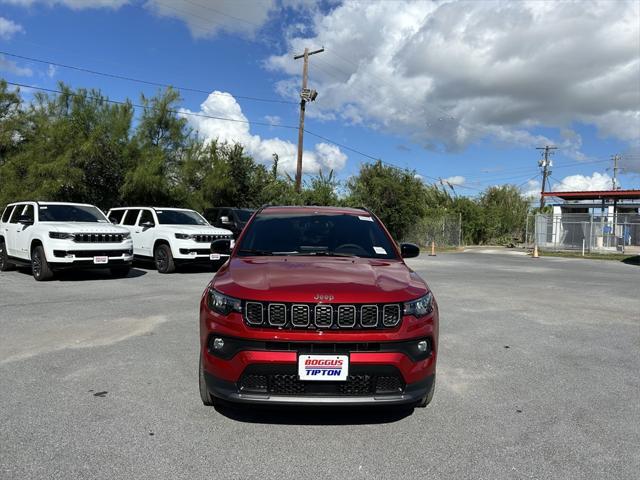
(5,264)
(39,266)
(164,259)
(120,272)
(206,397)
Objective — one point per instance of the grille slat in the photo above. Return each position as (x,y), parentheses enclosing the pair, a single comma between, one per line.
(253,313)
(369,316)
(98,237)
(277,314)
(300,315)
(322,315)
(390,315)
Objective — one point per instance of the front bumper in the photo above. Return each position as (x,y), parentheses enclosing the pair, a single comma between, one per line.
(68,253)
(226,390)
(270,356)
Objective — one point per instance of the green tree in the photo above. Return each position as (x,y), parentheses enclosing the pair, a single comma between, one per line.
(71,148)
(504,214)
(396,195)
(321,190)
(160,144)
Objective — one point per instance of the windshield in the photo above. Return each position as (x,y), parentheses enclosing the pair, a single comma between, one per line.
(70,213)
(244,215)
(180,217)
(316,234)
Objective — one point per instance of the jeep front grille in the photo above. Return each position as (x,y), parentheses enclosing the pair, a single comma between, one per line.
(98,237)
(322,315)
(211,238)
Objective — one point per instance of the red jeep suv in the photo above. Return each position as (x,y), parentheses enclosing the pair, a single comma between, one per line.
(316,306)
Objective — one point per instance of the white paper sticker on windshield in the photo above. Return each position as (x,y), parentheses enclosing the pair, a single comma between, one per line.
(366,219)
(380,250)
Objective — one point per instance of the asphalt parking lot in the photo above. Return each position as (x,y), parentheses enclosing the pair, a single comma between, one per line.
(538,378)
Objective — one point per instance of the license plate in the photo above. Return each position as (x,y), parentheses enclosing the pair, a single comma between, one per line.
(100,260)
(323,367)
(214,256)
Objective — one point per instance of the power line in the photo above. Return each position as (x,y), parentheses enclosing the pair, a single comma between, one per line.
(192,114)
(136,105)
(145,82)
(341,145)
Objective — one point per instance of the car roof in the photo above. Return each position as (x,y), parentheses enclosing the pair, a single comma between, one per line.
(154,208)
(23,202)
(315,209)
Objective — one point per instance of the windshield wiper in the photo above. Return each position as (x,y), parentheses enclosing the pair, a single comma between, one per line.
(322,253)
(252,251)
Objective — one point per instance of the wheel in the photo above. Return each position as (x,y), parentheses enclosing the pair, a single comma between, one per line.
(207,398)
(5,264)
(164,259)
(39,265)
(120,272)
(426,400)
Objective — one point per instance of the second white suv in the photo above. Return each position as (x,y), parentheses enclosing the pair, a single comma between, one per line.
(170,236)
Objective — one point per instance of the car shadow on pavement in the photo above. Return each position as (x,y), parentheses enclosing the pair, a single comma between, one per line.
(86,275)
(301,415)
(182,269)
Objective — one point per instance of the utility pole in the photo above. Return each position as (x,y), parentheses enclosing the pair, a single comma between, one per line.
(305,95)
(614,180)
(545,164)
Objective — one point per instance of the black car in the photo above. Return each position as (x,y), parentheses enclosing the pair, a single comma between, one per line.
(233,219)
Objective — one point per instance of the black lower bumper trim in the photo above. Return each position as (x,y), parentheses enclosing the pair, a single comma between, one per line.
(413,393)
(233,346)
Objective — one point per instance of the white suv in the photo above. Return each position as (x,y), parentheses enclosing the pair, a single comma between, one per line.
(53,235)
(170,236)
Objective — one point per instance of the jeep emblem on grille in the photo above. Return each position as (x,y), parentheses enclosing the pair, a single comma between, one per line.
(323,298)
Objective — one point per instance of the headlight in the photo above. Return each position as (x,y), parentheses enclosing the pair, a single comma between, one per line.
(222,304)
(126,235)
(420,307)
(61,235)
(183,236)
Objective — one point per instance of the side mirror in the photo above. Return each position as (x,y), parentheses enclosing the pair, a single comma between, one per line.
(225,220)
(147,225)
(25,220)
(409,250)
(221,246)
(114,220)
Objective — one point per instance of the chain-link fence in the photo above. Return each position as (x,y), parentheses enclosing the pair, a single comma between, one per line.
(593,233)
(445,230)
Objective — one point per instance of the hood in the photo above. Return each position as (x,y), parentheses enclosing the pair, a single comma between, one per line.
(85,227)
(300,279)
(196,229)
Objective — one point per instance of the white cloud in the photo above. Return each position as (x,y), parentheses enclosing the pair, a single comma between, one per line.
(273,119)
(597,181)
(51,71)
(8,28)
(12,67)
(456,180)
(223,105)
(531,189)
(448,73)
(207,18)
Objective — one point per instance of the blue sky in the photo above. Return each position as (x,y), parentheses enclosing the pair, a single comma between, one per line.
(439,87)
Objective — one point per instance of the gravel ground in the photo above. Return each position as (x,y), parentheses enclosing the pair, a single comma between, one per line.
(538,378)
